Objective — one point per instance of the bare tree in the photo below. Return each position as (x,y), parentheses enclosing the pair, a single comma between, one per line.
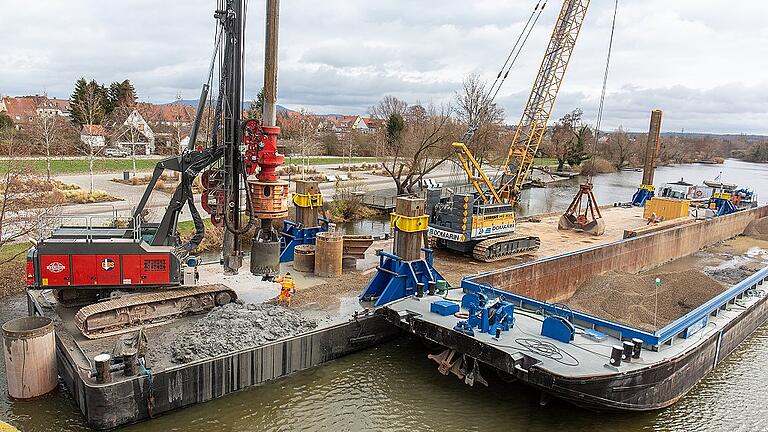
(21,204)
(568,140)
(46,128)
(483,119)
(91,108)
(134,131)
(387,106)
(302,129)
(419,145)
(619,147)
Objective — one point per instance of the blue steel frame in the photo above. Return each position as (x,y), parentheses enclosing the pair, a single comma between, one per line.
(641,196)
(395,278)
(293,235)
(691,319)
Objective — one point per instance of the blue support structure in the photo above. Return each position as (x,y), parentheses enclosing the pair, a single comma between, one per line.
(684,326)
(642,195)
(724,206)
(396,278)
(294,235)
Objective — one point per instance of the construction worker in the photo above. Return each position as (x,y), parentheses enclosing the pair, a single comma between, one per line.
(287,288)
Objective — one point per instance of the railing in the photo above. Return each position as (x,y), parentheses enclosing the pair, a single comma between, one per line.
(49,223)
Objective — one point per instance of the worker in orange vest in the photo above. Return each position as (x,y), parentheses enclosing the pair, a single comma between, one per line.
(287,288)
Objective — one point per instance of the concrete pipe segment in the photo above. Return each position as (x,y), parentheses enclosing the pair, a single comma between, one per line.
(30,357)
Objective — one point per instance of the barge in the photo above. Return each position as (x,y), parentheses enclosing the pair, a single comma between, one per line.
(513,321)
(167,383)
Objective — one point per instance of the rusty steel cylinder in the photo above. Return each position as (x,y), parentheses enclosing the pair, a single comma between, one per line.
(304,258)
(29,346)
(329,253)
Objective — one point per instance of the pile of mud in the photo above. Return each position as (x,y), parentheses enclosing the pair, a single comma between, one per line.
(236,326)
(758,229)
(631,299)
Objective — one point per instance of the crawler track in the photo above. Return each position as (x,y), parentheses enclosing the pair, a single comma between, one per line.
(499,248)
(148,309)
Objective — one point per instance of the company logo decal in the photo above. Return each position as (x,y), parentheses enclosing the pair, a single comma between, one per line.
(55,267)
(108,264)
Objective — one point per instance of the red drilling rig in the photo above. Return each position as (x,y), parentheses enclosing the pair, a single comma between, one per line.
(131,272)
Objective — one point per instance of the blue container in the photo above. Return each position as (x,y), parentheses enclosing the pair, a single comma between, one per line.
(444,307)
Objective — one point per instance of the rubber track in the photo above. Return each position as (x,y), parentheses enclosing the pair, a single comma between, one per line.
(82,316)
(480,251)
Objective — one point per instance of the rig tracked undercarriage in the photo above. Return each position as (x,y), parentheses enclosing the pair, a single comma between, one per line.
(148,309)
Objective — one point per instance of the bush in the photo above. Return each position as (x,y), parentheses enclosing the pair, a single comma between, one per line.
(596,165)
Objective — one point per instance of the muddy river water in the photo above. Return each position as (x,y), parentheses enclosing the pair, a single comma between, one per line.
(394,387)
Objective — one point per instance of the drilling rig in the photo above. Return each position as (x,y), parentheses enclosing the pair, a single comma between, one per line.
(483,223)
(130,272)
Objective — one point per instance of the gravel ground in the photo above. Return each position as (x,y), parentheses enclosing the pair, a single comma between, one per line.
(237,326)
(630,299)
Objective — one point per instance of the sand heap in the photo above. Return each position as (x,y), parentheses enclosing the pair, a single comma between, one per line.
(758,229)
(630,298)
(236,326)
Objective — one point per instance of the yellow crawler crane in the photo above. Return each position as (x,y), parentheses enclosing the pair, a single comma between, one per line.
(483,223)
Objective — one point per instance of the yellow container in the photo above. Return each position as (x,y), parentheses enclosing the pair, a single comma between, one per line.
(666,208)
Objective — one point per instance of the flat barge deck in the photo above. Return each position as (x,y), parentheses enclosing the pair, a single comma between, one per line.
(672,359)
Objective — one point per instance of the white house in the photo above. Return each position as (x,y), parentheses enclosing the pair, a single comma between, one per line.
(93,135)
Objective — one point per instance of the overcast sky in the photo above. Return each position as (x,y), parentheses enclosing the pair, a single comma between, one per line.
(704,62)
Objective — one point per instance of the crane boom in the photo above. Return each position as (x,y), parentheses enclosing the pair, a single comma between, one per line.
(533,123)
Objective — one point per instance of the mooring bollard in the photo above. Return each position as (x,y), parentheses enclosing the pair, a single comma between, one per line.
(103,363)
(129,362)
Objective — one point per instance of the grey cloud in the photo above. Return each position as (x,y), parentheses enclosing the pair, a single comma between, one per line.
(700,61)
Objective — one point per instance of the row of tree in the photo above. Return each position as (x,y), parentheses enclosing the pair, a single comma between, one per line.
(92,102)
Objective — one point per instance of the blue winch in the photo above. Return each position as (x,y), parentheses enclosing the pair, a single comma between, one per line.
(491,316)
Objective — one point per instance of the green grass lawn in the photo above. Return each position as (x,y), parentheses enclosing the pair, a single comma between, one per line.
(331,160)
(545,161)
(188,227)
(17,250)
(79,166)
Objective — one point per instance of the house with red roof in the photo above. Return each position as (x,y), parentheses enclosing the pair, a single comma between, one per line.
(23,109)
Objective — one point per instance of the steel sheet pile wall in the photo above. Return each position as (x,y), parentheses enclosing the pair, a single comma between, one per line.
(130,400)
(557,278)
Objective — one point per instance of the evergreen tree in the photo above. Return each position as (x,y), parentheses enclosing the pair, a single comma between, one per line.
(121,94)
(89,102)
(395,126)
(256,106)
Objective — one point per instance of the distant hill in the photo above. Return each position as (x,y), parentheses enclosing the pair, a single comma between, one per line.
(246,104)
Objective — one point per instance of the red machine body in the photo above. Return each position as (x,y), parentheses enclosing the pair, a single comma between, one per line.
(100,270)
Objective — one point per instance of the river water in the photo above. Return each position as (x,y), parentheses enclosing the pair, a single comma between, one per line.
(394,387)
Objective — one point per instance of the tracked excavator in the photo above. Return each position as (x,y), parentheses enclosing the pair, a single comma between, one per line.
(130,273)
(482,223)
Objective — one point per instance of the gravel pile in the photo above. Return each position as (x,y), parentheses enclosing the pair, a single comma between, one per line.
(236,326)
(630,299)
(758,229)
(731,276)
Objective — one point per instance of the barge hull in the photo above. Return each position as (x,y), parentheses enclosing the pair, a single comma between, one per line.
(656,386)
(130,400)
